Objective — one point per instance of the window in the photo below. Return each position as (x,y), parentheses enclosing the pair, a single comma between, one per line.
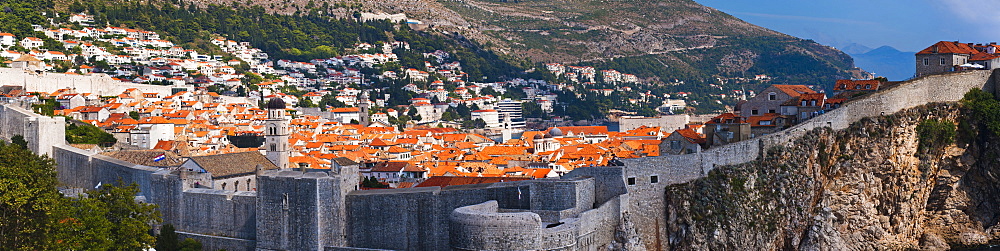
(772,111)
(843,86)
(631,180)
(868,86)
(803,103)
(274,147)
(754,112)
(654,179)
(812,102)
(942,61)
(772,96)
(765,122)
(927,62)
(236,186)
(223,186)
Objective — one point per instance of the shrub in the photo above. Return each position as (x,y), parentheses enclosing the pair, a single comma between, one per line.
(935,133)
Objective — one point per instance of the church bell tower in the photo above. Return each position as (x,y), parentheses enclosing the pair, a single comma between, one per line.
(276,133)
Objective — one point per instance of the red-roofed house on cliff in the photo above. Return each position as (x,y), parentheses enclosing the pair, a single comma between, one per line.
(944,56)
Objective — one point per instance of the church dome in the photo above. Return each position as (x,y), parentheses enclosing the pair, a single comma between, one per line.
(276,103)
(556,132)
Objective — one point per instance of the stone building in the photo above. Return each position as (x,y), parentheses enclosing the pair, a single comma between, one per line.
(770,100)
(231,172)
(943,57)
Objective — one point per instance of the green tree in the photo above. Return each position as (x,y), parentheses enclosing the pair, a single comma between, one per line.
(110,217)
(532,110)
(189,245)
(18,140)
(88,134)
(134,115)
(29,201)
(167,240)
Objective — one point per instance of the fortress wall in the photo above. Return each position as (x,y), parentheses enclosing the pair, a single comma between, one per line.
(108,170)
(676,169)
(299,211)
(41,132)
(219,213)
(609,182)
(417,218)
(85,169)
(73,166)
(397,220)
(573,196)
(482,227)
(597,227)
(101,84)
(167,192)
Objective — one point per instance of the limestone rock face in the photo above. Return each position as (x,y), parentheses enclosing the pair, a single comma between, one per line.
(869,187)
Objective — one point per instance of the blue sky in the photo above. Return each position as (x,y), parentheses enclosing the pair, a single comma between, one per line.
(907,25)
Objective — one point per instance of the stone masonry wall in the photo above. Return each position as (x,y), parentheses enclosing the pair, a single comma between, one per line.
(482,227)
(100,84)
(41,132)
(417,218)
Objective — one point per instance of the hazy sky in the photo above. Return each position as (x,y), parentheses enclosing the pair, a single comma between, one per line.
(907,25)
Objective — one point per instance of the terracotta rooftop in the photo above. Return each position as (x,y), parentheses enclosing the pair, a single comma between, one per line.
(947,47)
(233,164)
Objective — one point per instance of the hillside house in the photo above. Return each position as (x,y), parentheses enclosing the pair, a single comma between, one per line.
(770,100)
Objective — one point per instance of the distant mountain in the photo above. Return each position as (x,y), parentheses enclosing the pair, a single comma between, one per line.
(854,48)
(886,61)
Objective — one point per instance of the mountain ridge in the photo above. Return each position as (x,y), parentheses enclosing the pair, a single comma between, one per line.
(699,43)
(887,61)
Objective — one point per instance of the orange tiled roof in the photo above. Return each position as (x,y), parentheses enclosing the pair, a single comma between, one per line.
(947,47)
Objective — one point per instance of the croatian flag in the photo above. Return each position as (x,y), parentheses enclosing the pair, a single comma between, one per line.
(160,157)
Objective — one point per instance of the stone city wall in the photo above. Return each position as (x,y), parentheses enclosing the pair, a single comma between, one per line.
(86,169)
(482,227)
(417,218)
(41,132)
(219,213)
(674,169)
(218,219)
(100,84)
(300,210)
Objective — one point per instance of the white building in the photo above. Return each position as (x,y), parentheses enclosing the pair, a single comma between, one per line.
(492,117)
(150,131)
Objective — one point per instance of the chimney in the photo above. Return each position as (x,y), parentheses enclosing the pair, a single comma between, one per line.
(302,168)
(260,170)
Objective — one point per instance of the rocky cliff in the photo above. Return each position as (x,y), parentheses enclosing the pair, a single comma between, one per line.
(901,181)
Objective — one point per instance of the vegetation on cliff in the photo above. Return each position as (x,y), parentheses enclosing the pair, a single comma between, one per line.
(910,180)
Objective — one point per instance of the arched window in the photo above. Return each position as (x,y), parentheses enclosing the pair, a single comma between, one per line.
(223,186)
(236,186)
